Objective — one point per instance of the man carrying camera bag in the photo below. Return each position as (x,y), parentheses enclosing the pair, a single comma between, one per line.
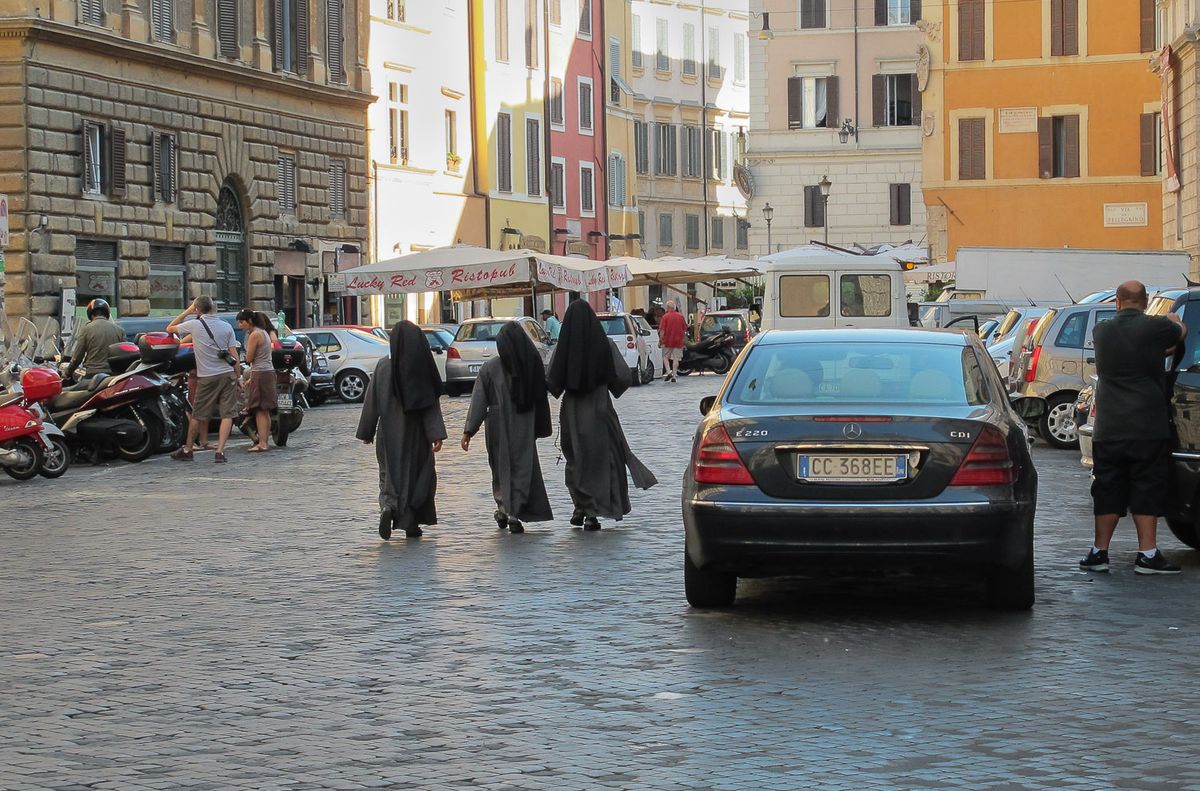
(216,370)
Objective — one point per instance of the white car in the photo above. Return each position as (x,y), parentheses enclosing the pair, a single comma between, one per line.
(1001,353)
(631,339)
(352,355)
(439,340)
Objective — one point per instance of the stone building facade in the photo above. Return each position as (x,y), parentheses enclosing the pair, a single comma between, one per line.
(154,150)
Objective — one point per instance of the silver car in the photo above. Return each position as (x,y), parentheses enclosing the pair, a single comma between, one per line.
(352,355)
(475,344)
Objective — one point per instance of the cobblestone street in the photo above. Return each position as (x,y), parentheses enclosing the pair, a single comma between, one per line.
(167,626)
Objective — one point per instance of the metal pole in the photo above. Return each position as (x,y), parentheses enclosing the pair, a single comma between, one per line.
(826,213)
(769,248)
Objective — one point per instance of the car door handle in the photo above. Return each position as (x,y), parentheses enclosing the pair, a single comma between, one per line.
(1090,360)
(334,357)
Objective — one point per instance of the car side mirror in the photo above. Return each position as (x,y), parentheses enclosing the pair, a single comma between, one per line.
(1029,407)
(706,404)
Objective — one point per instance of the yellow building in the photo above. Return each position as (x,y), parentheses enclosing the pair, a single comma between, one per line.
(1040,125)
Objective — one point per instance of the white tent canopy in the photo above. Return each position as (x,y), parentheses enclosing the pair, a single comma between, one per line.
(465,267)
(675,270)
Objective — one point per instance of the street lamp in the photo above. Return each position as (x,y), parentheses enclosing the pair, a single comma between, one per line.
(848,129)
(825,184)
(768,213)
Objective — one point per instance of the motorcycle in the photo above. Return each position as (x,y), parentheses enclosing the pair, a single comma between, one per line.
(714,353)
(288,358)
(26,435)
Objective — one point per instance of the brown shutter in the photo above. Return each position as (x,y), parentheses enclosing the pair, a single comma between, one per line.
(809,213)
(1149,25)
(915,93)
(172,174)
(1056,27)
(156,165)
(1045,148)
(906,204)
(879,99)
(795,102)
(302,37)
(881,12)
(972,148)
(1071,153)
(970,30)
(1149,145)
(277,30)
(914,10)
(118,156)
(979,148)
(227,37)
(1070,27)
(832,99)
(894,204)
(86,159)
(334,40)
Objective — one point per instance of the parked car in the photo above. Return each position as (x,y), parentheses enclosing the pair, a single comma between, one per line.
(475,343)
(838,447)
(631,340)
(737,321)
(439,340)
(1085,419)
(352,355)
(379,332)
(1056,364)
(650,337)
(1002,342)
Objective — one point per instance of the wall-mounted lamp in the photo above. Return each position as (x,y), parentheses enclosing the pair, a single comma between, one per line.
(766,34)
(847,131)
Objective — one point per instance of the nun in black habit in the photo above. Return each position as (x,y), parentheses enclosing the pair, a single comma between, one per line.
(402,411)
(510,400)
(585,370)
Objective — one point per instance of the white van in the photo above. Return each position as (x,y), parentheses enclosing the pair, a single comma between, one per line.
(833,291)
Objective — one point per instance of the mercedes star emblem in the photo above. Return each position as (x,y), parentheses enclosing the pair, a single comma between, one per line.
(852,431)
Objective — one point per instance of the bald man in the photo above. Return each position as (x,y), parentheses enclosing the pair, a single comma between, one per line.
(1131,448)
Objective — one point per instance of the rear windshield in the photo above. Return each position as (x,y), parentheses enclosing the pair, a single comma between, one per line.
(860,373)
(1161,306)
(614,325)
(480,331)
(369,337)
(1043,325)
(1008,323)
(714,324)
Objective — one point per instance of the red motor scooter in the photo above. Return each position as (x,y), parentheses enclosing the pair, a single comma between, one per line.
(24,441)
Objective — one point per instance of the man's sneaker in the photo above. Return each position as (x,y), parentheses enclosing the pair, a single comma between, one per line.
(1155,565)
(1095,561)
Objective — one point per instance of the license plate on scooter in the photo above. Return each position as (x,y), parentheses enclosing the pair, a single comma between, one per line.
(283,402)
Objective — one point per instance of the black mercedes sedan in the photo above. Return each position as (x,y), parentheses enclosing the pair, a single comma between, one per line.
(866,448)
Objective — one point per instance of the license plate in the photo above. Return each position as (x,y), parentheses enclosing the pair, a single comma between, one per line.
(474,368)
(852,468)
(283,402)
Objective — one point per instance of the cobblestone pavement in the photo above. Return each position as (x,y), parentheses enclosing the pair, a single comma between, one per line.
(168,626)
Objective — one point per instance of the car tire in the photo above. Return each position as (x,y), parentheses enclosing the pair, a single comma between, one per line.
(1012,589)
(1057,424)
(314,398)
(1184,531)
(352,387)
(635,377)
(648,372)
(707,589)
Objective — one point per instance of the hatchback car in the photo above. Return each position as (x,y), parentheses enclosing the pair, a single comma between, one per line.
(861,447)
(352,355)
(632,340)
(439,340)
(736,321)
(475,343)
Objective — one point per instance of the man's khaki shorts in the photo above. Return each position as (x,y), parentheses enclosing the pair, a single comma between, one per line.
(216,397)
(672,353)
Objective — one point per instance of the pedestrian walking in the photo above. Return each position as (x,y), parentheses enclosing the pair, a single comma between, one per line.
(1131,449)
(551,324)
(217,368)
(260,390)
(672,334)
(585,370)
(509,399)
(89,351)
(401,410)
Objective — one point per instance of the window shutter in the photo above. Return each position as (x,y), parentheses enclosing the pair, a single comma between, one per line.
(1071,154)
(970,29)
(635,47)
(156,166)
(879,99)
(894,204)
(1045,148)
(335,44)
(227,37)
(614,58)
(832,99)
(1149,25)
(302,37)
(1149,146)
(89,184)
(162,19)
(1070,27)
(277,28)
(585,17)
(173,167)
(504,152)
(118,157)
(1056,27)
(914,12)
(722,156)
(795,102)
(585,106)
(881,12)
(972,153)
(502,30)
(809,221)
(915,93)
(906,204)
(533,157)
(531,47)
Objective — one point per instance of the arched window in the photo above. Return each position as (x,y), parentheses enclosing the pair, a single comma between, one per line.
(231,251)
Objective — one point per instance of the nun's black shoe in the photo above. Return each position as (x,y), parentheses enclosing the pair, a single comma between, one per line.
(577,518)
(414,532)
(385,524)
(501,519)
(515,526)
(591,523)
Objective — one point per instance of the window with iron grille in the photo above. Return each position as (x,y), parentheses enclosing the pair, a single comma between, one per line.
(337,189)
(162,19)
(286,183)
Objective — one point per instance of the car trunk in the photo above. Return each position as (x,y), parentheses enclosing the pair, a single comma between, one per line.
(772,441)
(476,351)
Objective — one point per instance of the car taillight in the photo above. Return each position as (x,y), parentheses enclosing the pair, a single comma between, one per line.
(1031,371)
(747,335)
(988,463)
(629,344)
(717,461)
(452,353)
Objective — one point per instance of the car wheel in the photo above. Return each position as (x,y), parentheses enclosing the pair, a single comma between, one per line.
(352,386)
(1057,424)
(57,458)
(706,589)
(635,377)
(314,398)
(648,372)
(453,390)
(1185,532)
(1012,589)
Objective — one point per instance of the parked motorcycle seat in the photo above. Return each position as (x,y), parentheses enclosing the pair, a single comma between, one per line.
(69,399)
(9,398)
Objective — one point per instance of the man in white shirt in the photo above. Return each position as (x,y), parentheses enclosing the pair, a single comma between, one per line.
(217,368)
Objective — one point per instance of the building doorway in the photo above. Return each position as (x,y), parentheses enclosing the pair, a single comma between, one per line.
(231,251)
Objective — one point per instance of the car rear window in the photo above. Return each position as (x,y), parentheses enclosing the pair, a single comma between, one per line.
(714,324)
(1043,326)
(480,331)
(860,373)
(369,337)
(614,325)
(1006,326)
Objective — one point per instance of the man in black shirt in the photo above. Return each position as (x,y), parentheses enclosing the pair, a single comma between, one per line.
(1131,447)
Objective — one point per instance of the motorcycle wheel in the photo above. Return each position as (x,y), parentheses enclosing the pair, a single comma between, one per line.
(57,459)
(29,470)
(173,436)
(280,432)
(721,364)
(148,444)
